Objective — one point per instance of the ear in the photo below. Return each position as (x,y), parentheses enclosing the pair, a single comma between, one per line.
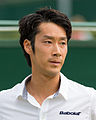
(27,46)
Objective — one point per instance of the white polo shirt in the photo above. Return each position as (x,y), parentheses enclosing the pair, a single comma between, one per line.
(72,102)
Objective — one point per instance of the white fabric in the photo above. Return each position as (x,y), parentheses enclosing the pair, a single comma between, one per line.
(73,102)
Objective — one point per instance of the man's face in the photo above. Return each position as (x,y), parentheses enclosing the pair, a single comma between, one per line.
(50,49)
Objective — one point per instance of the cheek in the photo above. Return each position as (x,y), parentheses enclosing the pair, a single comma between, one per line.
(64,53)
(66,50)
(41,54)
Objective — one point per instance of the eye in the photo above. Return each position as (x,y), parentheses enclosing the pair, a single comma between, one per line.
(62,43)
(48,42)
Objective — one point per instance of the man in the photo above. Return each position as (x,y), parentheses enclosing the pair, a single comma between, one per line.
(47,94)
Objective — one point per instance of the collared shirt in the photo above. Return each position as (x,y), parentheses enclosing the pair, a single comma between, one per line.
(72,102)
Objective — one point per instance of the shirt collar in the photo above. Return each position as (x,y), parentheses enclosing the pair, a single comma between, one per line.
(63,90)
(23,91)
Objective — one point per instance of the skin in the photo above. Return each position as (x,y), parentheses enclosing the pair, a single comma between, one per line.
(49,57)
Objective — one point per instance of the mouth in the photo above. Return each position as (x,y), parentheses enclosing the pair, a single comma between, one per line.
(56,63)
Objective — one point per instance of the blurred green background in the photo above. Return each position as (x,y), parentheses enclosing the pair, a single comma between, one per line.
(80,64)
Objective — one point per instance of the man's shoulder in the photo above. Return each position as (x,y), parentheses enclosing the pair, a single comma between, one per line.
(80,87)
(84,92)
(74,86)
(12,92)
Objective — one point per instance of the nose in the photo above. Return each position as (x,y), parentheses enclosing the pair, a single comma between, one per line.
(56,50)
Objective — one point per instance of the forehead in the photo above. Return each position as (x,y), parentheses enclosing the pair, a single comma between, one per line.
(51,28)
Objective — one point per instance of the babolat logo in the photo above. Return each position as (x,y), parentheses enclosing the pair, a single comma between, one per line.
(69,113)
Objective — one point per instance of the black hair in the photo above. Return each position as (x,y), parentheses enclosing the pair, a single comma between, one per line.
(28,26)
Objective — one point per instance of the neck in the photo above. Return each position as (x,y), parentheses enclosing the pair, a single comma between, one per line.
(41,86)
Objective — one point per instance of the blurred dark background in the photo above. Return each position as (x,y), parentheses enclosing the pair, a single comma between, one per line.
(15,9)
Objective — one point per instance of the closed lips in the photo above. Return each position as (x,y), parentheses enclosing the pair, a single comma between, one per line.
(55,62)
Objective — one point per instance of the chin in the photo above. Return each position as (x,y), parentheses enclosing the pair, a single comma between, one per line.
(53,72)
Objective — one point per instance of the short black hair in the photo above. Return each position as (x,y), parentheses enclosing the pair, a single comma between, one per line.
(28,26)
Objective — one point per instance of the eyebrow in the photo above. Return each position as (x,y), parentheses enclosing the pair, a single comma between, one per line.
(51,37)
